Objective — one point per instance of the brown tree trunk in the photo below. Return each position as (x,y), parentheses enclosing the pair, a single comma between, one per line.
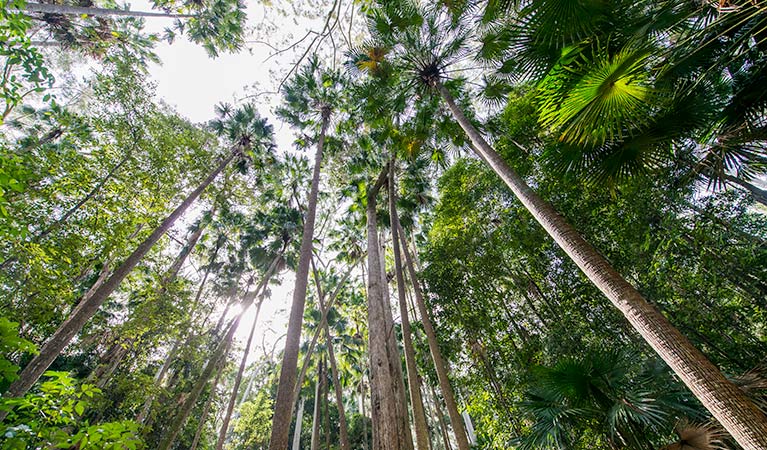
(283,404)
(439,362)
(416,402)
(391,431)
(238,378)
(87,308)
(739,416)
(343,427)
(206,408)
(219,357)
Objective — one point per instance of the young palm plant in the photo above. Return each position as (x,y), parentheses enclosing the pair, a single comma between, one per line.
(422,44)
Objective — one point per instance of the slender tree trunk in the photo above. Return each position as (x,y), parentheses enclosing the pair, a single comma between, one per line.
(364,416)
(315,337)
(758,194)
(343,427)
(436,355)
(326,402)
(315,443)
(283,405)
(299,423)
(416,402)
(92,11)
(441,425)
(86,309)
(238,378)
(206,408)
(728,404)
(219,357)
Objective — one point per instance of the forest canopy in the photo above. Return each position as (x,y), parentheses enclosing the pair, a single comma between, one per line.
(416,225)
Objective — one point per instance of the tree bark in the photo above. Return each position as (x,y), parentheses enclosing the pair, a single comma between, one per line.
(219,357)
(206,408)
(441,420)
(97,12)
(260,289)
(416,401)
(315,338)
(758,194)
(283,405)
(315,442)
(436,355)
(87,308)
(391,431)
(299,422)
(729,405)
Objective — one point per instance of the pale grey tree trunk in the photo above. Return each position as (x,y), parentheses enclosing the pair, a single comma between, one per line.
(299,422)
(206,408)
(315,442)
(729,405)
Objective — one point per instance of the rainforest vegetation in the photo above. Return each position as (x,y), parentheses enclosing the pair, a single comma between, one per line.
(488,224)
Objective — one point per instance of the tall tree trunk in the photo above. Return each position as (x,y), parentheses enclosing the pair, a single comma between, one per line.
(728,404)
(315,442)
(260,290)
(416,402)
(87,308)
(283,405)
(93,11)
(219,357)
(441,419)
(759,195)
(316,336)
(206,408)
(436,355)
(299,422)
(364,416)
(391,431)
(343,427)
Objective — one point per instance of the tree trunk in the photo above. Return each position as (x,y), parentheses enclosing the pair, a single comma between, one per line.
(219,357)
(364,416)
(391,431)
(436,355)
(416,402)
(206,408)
(315,443)
(343,427)
(315,338)
(729,405)
(283,405)
(87,308)
(299,422)
(759,195)
(97,12)
(441,419)
(238,378)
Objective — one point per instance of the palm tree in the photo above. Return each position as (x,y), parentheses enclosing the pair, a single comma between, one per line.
(310,97)
(422,44)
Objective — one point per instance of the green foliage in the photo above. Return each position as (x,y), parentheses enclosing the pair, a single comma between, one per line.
(55,417)
(253,427)
(10,343)
(24,72)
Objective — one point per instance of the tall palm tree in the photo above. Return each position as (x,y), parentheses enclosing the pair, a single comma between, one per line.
(310,98)
(423,44)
